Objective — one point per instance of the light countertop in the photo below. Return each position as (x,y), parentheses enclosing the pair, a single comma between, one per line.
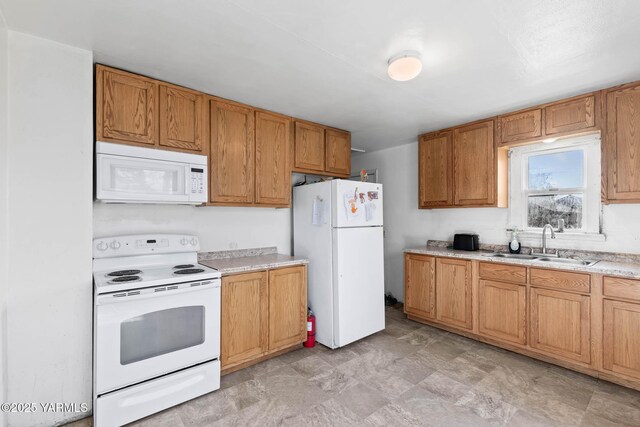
(609,268)
(243,262)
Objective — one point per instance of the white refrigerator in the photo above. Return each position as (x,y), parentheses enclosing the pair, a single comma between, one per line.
(338,227)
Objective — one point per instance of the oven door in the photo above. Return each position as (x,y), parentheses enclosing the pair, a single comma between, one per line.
(147,333)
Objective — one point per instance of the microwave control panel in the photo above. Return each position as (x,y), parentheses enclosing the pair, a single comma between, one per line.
(197,181)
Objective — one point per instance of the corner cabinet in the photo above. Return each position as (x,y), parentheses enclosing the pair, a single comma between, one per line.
(263,314)
(321,150)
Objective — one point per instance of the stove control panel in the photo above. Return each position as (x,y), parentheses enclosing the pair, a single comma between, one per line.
(144,244)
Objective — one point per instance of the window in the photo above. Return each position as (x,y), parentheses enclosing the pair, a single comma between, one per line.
(557,181)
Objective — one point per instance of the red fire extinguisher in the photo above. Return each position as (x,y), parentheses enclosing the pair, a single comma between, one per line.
(311,330)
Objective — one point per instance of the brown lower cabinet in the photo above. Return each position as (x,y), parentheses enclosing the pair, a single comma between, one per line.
(453,292)
(561,323)
(420,285)
(262,313)
(621,337)
(502,311)
(585,322)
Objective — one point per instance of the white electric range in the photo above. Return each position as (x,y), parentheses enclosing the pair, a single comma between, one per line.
(156,326)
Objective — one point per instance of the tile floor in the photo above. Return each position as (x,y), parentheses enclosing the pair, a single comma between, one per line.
(408,375)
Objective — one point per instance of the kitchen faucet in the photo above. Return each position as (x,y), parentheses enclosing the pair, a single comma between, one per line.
(544,240)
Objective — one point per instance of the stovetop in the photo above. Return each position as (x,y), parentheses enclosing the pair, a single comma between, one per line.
(116,280)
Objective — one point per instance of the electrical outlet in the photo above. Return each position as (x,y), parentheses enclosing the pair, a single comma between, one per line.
(233,245)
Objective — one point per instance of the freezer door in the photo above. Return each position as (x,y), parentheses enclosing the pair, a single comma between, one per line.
(356,204)
(358,282)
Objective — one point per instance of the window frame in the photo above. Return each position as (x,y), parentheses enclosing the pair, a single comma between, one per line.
(592,178)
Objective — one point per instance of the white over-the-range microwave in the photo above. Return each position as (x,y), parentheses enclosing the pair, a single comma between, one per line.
(130,174)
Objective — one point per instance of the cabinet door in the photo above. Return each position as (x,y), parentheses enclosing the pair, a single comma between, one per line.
(453,292)
(622,144)
(474,164)
(621,337)
(244,311)
(560,324)
(273,164)
(126,109)
(520,126)
(570,116)
(338,152)
(420,285)
(502,311)
(309,147)
(183,119)
(435,170)
(287,307)
(231,168)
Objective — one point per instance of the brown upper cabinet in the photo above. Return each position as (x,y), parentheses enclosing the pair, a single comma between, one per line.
(573,116)
(309,147)
(520,126)
(435,153)
(321,150)
(126,107)
(183,119)
(136,110)
(231,162)
(249,156)
(251,151)
(462,167)
(622,144)
(337,152)
(474,164)
(273,165)
(576,114)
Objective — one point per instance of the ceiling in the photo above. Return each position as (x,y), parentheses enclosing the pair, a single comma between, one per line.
(326,60)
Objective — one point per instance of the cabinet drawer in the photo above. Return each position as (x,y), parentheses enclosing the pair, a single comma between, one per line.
(576,282)
(506,273)
(622,288)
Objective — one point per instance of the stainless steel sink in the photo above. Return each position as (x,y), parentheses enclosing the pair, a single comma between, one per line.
(584,262)
(514,256)
(540,258)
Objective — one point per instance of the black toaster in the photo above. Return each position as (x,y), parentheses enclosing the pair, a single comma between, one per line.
(466,242)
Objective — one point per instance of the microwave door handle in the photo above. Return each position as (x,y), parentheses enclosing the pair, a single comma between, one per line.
(187,181)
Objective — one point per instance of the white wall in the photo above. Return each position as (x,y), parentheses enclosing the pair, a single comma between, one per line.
(219,228)
(407,226)
(50,229)
(4,52)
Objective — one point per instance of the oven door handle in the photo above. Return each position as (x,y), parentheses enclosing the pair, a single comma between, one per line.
(156,292)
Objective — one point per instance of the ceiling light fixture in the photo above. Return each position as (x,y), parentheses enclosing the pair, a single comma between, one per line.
(404,66)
